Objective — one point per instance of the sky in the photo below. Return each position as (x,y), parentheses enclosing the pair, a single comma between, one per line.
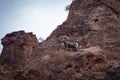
(38,16)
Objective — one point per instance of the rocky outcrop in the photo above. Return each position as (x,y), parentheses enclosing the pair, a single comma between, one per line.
(95,26)
(96,21)
(17,49)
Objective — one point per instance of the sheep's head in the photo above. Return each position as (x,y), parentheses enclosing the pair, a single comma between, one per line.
(63,38)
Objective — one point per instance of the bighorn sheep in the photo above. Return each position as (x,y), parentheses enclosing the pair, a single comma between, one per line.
(74,45)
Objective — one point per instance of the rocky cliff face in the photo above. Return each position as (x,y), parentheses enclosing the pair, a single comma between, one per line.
(18,47)
(85,47)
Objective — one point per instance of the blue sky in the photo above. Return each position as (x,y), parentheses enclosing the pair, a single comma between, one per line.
(38,16)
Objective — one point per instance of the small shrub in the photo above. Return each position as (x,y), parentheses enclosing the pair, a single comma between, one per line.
(67,8)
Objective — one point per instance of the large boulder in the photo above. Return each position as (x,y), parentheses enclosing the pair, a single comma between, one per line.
(17,49)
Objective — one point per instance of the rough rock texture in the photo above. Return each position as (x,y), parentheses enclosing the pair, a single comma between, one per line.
(95,25)
(18,47)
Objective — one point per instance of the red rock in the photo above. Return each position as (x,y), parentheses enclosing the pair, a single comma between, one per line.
(95,24)
(17,49)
